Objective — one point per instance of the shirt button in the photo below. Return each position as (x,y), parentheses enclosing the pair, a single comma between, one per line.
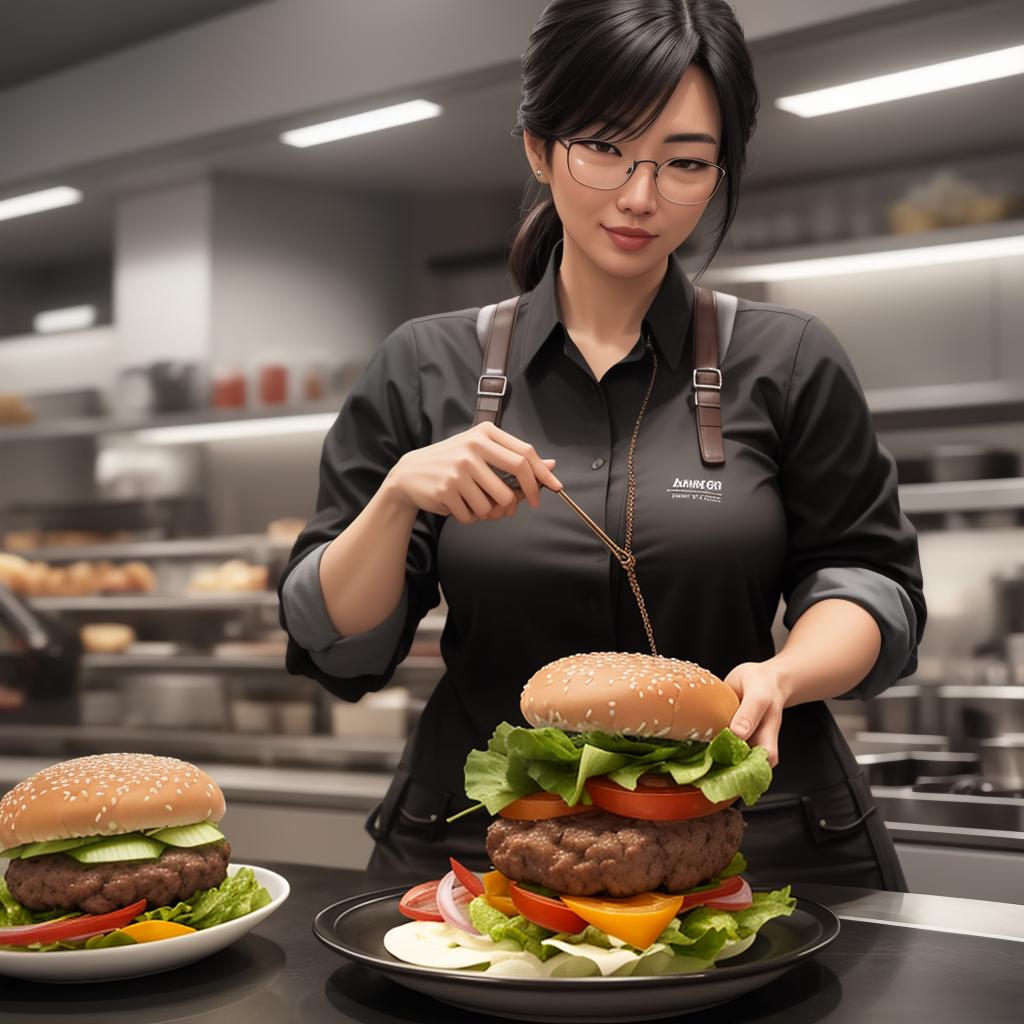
(593,603)
(597,464)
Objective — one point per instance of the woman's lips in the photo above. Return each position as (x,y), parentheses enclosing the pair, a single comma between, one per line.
(630,243)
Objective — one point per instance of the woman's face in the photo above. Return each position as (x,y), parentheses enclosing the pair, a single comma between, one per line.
(587,212)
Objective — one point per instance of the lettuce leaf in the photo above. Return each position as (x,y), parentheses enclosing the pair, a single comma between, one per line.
(698,934)
(519,761)
(237,895)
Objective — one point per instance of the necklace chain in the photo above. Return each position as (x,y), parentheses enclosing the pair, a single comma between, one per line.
(625,554)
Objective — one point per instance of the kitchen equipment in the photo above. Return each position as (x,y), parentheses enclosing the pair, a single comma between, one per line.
(890,742)
(174,700)
(383,714)
(132,395)
(905,767)
(57,405)
(976,713)
(895,710)
(1002,759)
(175,385)
(39,660)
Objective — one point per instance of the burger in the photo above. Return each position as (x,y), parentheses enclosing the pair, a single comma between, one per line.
(97,836)
(615,812)
(624,783)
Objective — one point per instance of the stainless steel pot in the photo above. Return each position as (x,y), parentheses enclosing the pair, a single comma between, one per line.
(895,710)
(1002,759)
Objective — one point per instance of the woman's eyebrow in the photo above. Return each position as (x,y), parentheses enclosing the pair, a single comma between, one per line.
(692,137)
(676,136)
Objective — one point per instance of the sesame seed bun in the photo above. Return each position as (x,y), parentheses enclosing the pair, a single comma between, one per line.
(633,694)
(107,794)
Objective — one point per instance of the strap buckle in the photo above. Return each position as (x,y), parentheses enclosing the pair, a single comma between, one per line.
(492,376)
(707,369)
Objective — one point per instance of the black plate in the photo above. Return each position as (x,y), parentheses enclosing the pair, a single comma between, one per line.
(355,928)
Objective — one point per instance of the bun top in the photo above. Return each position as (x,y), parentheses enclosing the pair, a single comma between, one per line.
(107,794)
(633,694)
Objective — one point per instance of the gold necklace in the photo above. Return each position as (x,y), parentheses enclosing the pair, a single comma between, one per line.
(625,554)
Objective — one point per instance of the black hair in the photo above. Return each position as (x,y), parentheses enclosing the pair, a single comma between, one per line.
(611,62)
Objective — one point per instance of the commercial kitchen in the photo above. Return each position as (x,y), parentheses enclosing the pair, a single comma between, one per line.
(188,291)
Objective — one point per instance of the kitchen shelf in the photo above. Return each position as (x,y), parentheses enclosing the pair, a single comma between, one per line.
(946,405)
(101,603)
(737,265)
(234,545)
(213,663)
(963,495)
(192,744)
(93,426)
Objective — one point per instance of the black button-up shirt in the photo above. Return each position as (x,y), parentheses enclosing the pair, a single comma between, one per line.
(805,506)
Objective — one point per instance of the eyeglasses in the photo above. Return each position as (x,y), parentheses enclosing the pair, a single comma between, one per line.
(687,181)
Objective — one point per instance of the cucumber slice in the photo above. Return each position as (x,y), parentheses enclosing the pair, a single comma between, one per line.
(53,846)
(189,835)
(127,847)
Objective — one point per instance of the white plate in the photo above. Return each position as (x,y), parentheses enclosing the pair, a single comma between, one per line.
(77,965)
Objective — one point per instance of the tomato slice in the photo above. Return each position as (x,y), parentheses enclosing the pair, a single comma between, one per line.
(538,806)
(545,911)
(72,928)
(420,902)
(740,899)
(652,801)
(466,877)
(638,920)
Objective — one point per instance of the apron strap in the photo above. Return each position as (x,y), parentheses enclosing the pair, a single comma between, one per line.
(495,325)
(707,380)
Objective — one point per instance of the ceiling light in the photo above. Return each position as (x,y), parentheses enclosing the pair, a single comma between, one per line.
(229,430)
(950,74)
(361,124)
(36,202)
(864,262)
(72,318)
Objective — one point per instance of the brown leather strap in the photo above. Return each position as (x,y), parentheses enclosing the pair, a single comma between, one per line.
(707,381)
(493,383)
(497,323)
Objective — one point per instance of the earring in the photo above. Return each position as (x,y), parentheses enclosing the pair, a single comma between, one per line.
(539,172)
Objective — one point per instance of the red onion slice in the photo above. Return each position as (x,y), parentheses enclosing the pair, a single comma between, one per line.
(448,904)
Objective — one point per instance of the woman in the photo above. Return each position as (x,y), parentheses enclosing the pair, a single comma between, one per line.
(805,505)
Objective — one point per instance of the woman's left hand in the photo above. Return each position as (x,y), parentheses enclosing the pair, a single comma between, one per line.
(759,716)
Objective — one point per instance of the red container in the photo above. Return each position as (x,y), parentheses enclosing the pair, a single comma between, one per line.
(273,384)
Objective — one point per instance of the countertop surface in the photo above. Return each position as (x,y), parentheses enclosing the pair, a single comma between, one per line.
(898,957)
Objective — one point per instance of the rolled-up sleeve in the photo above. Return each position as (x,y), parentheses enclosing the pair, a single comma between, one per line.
(312,628)
(380,420)
(846,534)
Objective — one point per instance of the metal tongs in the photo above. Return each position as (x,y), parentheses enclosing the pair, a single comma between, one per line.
(626,558)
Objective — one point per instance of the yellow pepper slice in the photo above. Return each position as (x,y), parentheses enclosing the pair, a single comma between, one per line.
(496,892)
(638,920)
(151,931)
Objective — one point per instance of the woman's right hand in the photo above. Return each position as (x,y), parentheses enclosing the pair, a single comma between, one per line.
(457,476)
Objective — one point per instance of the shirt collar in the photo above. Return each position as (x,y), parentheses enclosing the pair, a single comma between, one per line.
(668,315)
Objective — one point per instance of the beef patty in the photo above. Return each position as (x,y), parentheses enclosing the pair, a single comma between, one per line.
(56,881)
(586,854)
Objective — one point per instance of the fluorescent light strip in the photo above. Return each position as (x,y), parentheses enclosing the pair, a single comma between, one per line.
(230,430)
(72,318)
(36,202)
(361,124)
(950,74)
(865,262)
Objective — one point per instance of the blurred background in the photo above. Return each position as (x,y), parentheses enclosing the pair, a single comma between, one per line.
(186,296)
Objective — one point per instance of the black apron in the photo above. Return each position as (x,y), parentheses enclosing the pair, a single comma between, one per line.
(817,822)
